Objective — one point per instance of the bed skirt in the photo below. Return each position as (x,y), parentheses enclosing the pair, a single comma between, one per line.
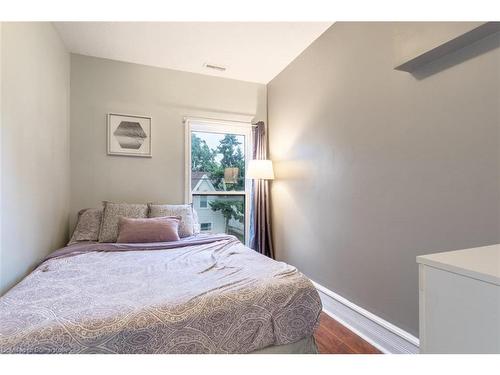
(305,346)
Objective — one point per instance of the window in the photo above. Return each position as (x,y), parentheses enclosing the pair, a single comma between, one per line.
(203,201)
(217,154)
(205,227)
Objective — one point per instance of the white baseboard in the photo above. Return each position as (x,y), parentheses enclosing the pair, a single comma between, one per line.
(380,333)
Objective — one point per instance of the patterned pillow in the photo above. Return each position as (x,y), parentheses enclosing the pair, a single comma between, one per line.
(185,211)
(111,215)
(88,225)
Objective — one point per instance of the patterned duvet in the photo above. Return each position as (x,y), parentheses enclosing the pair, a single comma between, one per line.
(208,294)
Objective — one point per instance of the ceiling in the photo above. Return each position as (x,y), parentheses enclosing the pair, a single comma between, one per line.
(251,51)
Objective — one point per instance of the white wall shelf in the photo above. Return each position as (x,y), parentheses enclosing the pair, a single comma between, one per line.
(450,46)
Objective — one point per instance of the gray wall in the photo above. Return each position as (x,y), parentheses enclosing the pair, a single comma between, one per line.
(99,86)
(376,166)
(35,73)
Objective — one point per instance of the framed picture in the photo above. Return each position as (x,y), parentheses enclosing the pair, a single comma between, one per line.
(129,135)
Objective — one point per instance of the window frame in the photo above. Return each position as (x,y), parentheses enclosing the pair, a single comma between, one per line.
(220,127)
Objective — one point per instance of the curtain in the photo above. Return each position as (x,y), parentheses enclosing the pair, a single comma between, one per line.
(260,217)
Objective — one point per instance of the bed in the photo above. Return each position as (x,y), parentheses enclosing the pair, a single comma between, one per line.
(202,294)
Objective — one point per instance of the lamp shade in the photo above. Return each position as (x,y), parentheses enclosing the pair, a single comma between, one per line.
(231,175)
(260,170)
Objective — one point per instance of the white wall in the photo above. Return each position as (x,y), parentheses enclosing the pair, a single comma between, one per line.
(35,73)
(375,166)
(100,86)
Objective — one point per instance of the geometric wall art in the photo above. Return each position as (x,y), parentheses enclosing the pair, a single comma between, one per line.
(129,135)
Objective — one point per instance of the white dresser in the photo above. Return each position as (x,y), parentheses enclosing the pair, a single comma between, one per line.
(460,301)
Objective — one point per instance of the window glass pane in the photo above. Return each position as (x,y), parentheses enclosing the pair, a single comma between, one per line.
(217,162)
(224,214)
(206,227)
(203,201)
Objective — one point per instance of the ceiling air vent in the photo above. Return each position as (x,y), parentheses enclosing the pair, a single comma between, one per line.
(215,67)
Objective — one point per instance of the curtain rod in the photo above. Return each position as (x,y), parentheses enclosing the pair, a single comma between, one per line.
(254,125)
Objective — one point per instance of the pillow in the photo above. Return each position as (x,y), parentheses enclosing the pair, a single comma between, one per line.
(185,211)
(87,226)
(158,229)
(112,213)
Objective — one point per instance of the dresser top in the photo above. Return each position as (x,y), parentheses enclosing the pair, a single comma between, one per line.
(482,263)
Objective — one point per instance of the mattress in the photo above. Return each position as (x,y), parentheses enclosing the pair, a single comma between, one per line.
(205,294)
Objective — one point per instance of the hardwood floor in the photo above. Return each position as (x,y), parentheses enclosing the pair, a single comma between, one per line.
(333,338)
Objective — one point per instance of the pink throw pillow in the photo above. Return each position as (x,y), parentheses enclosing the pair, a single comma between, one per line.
(158,229)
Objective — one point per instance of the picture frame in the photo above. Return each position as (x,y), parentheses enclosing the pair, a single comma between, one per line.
(129,135)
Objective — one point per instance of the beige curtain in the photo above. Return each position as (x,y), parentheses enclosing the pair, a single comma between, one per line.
(260,224)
